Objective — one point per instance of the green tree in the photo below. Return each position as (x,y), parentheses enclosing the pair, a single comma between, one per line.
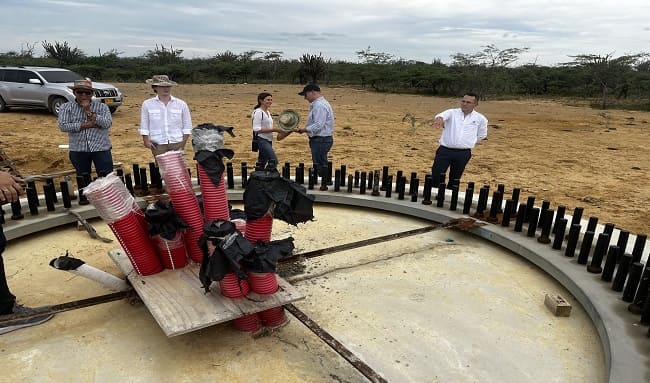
(163,56)
(606,72)
(63,53)
(313,67)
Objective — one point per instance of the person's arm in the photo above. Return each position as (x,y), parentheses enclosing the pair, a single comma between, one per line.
(10,187)
(187,121)
(101,118)
(438,122)
(144,127)
(186,137)
(67,120)
(482,130)
(257,121)
(319,117)
(440,119)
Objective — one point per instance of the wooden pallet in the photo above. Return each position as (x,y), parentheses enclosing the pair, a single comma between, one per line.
(179,304)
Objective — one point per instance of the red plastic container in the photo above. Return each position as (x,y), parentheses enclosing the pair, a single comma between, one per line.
(248,323)
(232,287)
(263,283)
(172,252)
(274,317)
(215,198)
(259,229)
(137,245)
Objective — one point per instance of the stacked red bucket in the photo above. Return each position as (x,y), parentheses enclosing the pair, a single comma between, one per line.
(172,251)
(173,169)
(215,198)
(259,230)
(116,205)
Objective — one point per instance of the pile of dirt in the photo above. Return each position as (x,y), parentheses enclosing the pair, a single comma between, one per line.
(568,155)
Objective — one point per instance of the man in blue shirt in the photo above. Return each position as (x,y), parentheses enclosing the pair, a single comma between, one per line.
(319,127)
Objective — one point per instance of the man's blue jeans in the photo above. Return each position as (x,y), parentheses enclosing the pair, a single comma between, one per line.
(320,147)
(82,162)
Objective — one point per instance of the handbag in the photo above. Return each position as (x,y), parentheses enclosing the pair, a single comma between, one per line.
(254,146)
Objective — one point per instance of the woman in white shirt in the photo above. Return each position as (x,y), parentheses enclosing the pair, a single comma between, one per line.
(263,131)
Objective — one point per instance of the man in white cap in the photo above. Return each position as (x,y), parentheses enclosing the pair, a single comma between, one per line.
(87,124)
(165,121)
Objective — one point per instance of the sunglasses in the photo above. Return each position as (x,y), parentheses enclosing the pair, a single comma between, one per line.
(86,92)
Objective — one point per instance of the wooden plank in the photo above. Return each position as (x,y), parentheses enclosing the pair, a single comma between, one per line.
(179,304)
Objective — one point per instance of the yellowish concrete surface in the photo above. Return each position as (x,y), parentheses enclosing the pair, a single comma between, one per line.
(438,307)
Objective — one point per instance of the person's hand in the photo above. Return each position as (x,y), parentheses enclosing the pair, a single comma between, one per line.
(10,187)
(438,123)
(148,144)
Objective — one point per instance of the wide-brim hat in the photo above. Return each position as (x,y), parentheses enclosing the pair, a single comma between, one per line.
(288,120)
(160,80)
(82,84)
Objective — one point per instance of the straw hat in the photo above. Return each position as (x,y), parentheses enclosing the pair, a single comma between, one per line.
(288,120)
(160,80)
(82,84)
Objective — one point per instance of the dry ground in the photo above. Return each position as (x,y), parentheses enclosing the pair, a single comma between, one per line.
(569,155)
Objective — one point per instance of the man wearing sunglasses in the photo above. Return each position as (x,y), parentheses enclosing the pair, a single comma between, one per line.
(87,124)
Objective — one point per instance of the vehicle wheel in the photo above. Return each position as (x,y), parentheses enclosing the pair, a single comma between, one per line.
(113,109)
(3,105)
(55,106)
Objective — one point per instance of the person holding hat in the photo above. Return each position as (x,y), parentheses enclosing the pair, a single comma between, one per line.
(165,121)
(263,130)
(87,123)
(319,127)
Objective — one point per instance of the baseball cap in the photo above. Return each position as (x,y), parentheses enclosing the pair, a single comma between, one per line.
(309,88)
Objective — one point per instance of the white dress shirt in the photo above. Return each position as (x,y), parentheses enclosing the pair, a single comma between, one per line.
(460,131)
(165,124)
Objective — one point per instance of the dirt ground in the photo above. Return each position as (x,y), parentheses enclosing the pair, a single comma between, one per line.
(570,155)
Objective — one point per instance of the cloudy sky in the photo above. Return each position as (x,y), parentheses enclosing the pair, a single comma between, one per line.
(422,30)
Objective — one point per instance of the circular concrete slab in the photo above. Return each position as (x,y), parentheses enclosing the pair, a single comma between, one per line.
(443,306)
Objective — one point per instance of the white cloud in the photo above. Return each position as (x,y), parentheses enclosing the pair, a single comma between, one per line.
(412,29)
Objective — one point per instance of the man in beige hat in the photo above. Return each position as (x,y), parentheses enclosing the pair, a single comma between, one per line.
(165,121)
(87,123)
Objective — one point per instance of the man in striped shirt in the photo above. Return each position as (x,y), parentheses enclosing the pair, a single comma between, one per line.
(87,124)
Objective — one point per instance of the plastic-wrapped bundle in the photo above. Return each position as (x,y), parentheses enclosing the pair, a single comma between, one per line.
(110,197)
(209,137)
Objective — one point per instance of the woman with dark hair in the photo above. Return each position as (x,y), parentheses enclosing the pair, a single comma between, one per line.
(263,131)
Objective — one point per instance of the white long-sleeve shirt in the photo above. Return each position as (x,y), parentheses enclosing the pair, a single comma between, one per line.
(165,124)
(262,120)
(460,131)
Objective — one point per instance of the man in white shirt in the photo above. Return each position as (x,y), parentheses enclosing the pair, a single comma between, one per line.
(462,128)
(165,121)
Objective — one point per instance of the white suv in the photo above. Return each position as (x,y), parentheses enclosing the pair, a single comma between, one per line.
(47,88)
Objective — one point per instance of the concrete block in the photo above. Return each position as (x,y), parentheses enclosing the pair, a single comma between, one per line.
(557,305)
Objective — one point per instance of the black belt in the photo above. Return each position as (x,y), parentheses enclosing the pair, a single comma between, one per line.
(315,137)
(454,149)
